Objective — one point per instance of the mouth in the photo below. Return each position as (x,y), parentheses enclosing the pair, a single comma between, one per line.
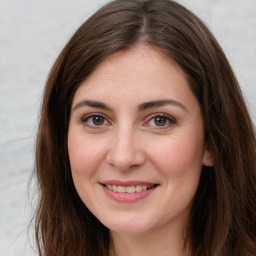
(129,189)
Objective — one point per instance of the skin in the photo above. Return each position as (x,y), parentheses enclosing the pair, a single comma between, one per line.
(124,141)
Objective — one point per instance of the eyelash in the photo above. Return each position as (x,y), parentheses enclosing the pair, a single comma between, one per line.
(170,120)
(87,117)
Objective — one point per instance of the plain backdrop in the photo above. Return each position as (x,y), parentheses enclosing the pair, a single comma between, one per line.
(32,33)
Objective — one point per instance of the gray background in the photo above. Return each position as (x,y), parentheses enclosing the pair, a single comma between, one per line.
(32,33)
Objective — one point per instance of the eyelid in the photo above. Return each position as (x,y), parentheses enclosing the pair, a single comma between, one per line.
(84,117)
(87,116)
(171,119)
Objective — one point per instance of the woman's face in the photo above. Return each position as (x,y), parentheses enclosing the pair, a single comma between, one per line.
(136,142)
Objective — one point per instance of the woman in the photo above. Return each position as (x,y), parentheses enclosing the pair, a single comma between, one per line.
(145,145)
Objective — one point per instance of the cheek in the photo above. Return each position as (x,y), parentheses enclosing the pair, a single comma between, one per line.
(178,155)
(84,155)
(85,158)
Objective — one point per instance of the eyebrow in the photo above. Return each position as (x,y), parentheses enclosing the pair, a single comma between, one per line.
(141,107)
(93,104)
(159,103)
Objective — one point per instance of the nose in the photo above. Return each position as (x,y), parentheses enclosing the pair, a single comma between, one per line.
(126,152)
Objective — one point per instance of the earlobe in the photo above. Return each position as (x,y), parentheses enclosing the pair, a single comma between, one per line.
(208,158)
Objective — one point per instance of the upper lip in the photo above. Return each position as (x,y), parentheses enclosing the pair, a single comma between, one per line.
(127,183)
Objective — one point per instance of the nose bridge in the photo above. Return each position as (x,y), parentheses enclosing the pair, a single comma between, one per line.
(125,149)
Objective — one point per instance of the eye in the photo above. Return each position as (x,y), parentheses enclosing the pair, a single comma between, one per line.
(160,120)
(95,120)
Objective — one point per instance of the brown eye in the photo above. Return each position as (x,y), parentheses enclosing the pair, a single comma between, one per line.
(160,121)
(98,120)
(95,120)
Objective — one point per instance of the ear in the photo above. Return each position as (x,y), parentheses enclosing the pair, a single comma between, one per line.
(207,157)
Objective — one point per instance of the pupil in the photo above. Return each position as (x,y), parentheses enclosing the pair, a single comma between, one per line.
(98,120)
(160,121)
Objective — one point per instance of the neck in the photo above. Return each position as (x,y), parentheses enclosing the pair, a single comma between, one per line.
(164,241)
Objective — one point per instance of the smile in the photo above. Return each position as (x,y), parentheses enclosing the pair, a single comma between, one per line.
(129,189)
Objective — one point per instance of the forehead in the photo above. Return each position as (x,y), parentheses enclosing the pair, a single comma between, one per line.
(137,60)
(140,73)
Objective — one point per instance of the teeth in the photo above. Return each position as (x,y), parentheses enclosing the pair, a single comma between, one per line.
(121,189)
(114,188)
(129,189)
(139,188)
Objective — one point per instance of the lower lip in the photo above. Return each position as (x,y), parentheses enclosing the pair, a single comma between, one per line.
(128,197)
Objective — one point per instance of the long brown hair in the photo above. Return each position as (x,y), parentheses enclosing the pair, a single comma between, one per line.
(223,218)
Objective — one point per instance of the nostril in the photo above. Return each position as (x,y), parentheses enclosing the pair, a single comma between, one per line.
(125,160)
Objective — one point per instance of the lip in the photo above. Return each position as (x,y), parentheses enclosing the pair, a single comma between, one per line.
(126,183)
(127,197)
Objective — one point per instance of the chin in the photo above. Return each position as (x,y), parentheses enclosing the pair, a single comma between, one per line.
(128,226)
(128,229)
